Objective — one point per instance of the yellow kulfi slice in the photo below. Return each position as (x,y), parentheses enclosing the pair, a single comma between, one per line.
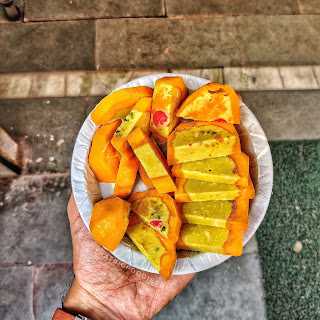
(232,169)
(196,190)
(216,213)
(160,251)
(210,239)
(197,140)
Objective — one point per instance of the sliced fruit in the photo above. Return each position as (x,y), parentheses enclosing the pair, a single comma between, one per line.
(192,141)
(212,102)
(196,190)
(126,177)
(210,239)
(155,247)
(159,211)
(144,177)
(232,169)
(118,104)
(103,158)
(152,160)
(139,116)
(109,221)
(221,214)
(168,94)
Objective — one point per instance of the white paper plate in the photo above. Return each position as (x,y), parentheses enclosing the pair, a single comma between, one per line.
(87,190)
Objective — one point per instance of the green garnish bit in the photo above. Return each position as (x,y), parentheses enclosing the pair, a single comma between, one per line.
(163,228)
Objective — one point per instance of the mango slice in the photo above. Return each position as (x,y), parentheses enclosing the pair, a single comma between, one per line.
(212,102)
(210,239)
(109,221)
(192,141)
(232,169)
(160,251)
(152,160)
(221,214)
(144,177)
(159,211)
(126,177)
(168,94)
(103,158)
(196,190)
(139,116)
(118,104)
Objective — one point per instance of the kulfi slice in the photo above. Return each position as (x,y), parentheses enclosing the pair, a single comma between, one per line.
(104,159)
(168,94)
(118,104)
(232,169)
(159,211)
(212,102)
(139,116)
(197,140)
(160,251)
(152,160)
(197,190)
(210,239)
(216,213)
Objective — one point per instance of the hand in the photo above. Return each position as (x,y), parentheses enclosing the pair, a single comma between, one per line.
(106,288)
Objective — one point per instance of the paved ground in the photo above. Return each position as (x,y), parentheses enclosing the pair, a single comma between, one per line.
(53,74)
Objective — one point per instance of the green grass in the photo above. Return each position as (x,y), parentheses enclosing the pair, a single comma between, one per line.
(292,280)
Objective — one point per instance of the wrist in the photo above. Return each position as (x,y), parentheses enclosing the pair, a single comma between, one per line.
(80,301)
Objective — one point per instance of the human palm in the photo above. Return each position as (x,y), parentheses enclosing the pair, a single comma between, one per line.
(105,288)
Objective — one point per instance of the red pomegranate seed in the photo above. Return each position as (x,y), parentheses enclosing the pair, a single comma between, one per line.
(156,223)
(160,118)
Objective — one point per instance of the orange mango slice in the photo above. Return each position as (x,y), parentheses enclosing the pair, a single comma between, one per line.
(221,214)
(168,94)
(160,251)
(139,116)
(232,169)
(109,221)
(210,239)
(196,190)
(103,158)
(126,177)
(212,102)
(153,161)
(196,140)
(118,104)
(159,211)
(144,177)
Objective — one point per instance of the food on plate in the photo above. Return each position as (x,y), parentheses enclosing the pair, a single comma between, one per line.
(212,102)
(139,116)
(168,94)
(197,190)
(159,211)
(153,161)
(109,221)
(192,141)
(126,177)
(160,251)
(210,239)
(118,104)
(216,213)
(103,158)
(144,177)
(232,169)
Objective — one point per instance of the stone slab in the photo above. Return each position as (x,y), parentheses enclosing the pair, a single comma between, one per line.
(46,130)
(48,85)
(34,219)
(166,43)
(263,78)
(37,10)
(48,46)
(309,6)
(51,283)
(214,74)
(286,115)
(16,290)
(15,85)
(231,7)
(298,77)
(232,290)
(316,70)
